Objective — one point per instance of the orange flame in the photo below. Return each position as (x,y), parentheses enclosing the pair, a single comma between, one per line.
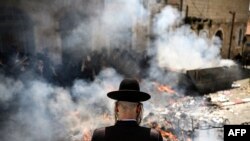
(165,134)
(168,135)
(86,135)
(165,88)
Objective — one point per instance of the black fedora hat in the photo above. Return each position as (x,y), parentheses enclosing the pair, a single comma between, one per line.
(129,90)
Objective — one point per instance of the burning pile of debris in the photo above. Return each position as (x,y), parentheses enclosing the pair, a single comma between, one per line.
(175,115)
(182,118)
(180,122)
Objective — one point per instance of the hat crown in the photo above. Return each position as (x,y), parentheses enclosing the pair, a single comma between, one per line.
(129,84)
(129,90)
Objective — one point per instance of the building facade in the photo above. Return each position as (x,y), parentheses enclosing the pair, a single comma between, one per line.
(226,19)
(62,27)
(36,26)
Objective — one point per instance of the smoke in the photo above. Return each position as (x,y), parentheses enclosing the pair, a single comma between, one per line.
(44,111)
(6,88)
(118,26)
(48,112)
(213,135)
(179,48)
(83,25)
(168,18)
(60,24)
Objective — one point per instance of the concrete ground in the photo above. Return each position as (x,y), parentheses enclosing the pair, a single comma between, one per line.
(234,103)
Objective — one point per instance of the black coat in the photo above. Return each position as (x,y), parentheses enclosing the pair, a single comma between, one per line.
(126,131)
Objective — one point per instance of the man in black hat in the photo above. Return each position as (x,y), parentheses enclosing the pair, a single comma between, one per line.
(128,115)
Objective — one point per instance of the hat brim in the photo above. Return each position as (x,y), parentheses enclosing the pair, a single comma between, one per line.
(129,95)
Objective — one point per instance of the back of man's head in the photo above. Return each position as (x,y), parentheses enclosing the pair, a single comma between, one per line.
(128,110)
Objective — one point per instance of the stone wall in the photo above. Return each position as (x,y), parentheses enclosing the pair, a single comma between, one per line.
(218,9)
(218,12)
(47,25)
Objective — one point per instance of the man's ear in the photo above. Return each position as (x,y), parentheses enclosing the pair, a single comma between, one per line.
(116,107)
(138,108)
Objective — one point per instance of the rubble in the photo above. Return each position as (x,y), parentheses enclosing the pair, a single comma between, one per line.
(187,116)
(234,102)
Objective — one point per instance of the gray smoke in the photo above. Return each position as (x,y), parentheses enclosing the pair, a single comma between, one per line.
(179,48)
(6,88)
(48,112)
(84,25)
(39,110)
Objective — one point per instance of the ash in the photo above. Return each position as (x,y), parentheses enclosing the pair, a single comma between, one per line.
(187,118)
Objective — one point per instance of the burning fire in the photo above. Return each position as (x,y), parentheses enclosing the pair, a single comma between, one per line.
(165,134)
(86,135)
(165,88)
(87,132)
(168,135)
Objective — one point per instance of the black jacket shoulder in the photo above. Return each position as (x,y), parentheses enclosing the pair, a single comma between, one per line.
(134,133)
(99,134)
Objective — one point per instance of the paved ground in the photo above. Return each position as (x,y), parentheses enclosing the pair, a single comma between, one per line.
(234,103)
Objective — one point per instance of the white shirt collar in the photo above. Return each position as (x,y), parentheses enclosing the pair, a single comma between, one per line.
(127,120)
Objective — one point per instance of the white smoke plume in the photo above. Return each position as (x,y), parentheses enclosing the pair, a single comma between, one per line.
(7,93)
(118,26)
(85,25)
(48,112)
(179,48)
